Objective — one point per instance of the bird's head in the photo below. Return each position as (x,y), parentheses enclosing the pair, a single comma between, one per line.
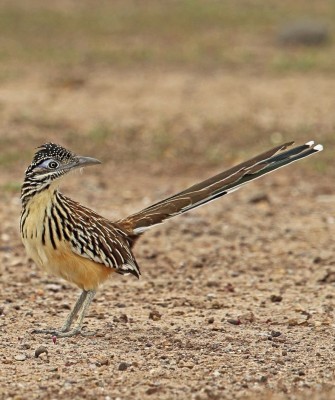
(51,162)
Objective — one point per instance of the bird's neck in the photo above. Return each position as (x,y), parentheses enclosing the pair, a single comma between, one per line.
(32,192)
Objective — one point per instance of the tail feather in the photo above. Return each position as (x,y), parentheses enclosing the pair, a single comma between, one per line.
(217,186)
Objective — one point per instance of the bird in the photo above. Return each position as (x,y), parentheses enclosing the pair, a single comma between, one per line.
(75,243)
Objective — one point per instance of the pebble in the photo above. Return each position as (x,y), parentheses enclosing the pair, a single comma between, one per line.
(53,287)
(123,366)
(124,318)
(276,298)
(259,198)
(102,361)
(155,315)
(213,284)
(197,264)
(25,346)
(40,350)
(20,357)
(234,321)
(263,335)
(280,339)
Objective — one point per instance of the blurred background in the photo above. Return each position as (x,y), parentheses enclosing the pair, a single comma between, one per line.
(170,84)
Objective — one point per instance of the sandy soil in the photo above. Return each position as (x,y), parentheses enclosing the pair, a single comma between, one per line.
(236,299)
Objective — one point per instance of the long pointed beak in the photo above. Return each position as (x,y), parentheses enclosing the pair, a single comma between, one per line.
(86,161)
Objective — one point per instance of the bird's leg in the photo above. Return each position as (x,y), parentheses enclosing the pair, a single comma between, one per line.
(69,320)
(74,312)
(82,312)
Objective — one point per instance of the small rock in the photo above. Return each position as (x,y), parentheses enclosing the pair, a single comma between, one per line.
(263,335)
(279,339)
(259,198)
(20,357)
(211,284)
(234,321)
(53,287)
(123,366)
(275,333)
(40,350)
(229,287)
(101,362)
(210,296)
(124,318)
(155,315)
(276,298)
(301,320)
(210,320)
(25,346)
(151,255)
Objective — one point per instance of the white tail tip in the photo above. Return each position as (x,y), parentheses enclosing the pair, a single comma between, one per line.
(310,144)
(318,147)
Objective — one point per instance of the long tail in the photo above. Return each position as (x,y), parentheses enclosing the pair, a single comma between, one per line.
(217,186)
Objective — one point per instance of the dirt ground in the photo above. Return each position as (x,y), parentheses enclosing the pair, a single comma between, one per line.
(236,299)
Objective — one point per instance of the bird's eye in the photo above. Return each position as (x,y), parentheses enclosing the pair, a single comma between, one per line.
(49,164)
(53,164)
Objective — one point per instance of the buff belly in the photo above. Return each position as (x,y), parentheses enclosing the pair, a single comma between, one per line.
(62,262)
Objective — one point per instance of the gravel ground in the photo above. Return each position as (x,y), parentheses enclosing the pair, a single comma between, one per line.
(236,299)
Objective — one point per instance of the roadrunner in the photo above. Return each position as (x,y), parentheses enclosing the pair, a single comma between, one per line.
(75,243)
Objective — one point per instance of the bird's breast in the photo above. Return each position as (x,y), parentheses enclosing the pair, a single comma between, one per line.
(53,253)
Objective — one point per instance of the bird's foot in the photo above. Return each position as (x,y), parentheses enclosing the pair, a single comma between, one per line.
(49,331)
(63,332)
(74,332)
